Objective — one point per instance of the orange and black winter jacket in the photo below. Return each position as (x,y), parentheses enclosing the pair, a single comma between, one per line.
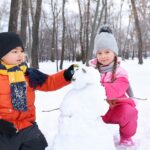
(22,119)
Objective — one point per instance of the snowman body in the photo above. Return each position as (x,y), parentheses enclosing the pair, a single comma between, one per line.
(80,125)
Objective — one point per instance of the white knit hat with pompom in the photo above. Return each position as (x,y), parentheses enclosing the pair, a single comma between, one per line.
(105,40)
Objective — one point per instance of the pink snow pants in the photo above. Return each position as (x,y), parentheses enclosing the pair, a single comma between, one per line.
(125,116)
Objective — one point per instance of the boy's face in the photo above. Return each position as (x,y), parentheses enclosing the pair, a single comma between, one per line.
(14,57)
(105,56)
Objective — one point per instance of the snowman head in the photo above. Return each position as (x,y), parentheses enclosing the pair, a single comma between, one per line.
(85,76)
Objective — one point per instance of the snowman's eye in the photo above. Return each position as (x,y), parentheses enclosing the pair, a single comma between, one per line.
(73,79)
(84,71)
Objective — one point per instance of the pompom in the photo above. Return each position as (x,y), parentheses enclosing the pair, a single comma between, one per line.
(105,28)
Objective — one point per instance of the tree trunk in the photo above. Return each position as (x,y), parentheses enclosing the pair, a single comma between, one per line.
(13,18)
(95,27)
(56,45)
(93,33)
(87,28)
(82,48)
(101,15)
(53,7)
(24,20)
(120,29)
(138,30)
(35,35)
(105,17)
(30,21)
(63,34)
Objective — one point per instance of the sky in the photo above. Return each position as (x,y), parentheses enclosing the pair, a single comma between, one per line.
(49,121)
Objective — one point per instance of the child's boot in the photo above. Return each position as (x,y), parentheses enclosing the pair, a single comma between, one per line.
(126,141)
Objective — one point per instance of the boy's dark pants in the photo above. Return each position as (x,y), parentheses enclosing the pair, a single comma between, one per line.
(30,138)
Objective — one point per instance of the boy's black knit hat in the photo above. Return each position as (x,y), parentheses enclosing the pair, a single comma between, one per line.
(9,41)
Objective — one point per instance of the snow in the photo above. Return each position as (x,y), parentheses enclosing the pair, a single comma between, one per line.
(49,121)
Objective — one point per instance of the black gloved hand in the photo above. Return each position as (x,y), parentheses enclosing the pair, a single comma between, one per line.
(7,128)
(68,73)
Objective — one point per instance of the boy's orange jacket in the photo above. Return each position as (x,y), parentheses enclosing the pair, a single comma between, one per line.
(22,119)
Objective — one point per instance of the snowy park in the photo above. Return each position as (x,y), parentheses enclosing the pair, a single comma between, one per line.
(55,34)
(51,106)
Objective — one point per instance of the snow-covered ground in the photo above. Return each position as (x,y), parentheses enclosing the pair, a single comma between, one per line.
(139,76)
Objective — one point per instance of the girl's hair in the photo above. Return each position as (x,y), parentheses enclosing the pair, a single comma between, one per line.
(98,66)
(114,69)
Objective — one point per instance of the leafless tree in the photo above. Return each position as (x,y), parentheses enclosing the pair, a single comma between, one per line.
(24,20)
(59,32)
(95,25)
(13,19)
(35,35)
(63,34)
(72,35)
(138,31)
(55,14)
(143,8)
(87,28)
(105,17)
(82,48)
(120,43)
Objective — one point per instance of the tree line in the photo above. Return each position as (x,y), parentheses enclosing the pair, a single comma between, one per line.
(50,32)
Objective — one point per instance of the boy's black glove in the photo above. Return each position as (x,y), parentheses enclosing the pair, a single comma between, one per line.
(7,128)
(68,73)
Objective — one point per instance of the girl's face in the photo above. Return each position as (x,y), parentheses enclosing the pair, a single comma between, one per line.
(105,57)
(14,57)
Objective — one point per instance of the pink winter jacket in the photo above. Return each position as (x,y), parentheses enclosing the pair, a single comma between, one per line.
(116,91)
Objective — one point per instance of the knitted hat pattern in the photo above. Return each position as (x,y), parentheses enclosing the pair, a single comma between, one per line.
(9,41)
(105,40)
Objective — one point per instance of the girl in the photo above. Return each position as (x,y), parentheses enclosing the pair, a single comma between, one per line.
(114,78)
(18,129)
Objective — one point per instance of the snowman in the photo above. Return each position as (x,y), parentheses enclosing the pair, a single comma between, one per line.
(80,125)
